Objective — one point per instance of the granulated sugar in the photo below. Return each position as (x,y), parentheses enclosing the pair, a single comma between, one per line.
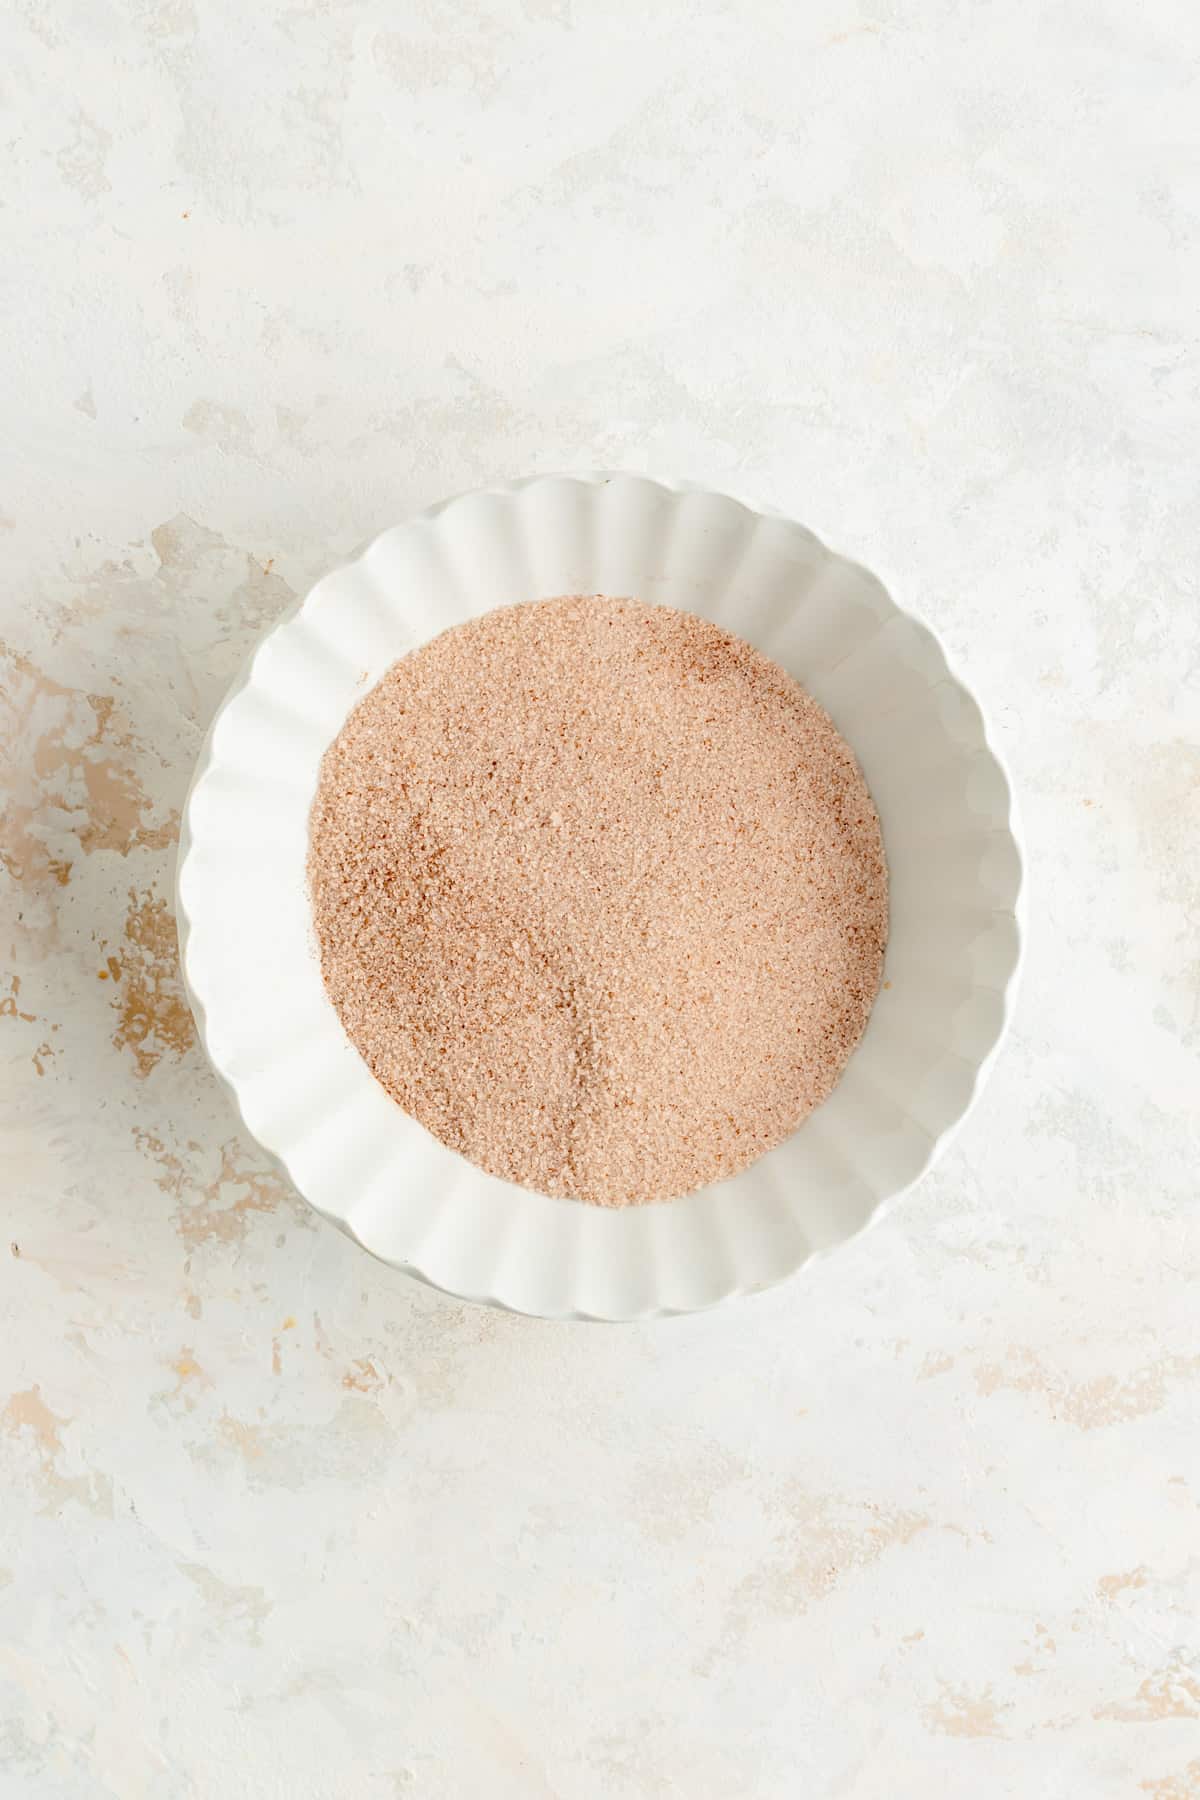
(600,896)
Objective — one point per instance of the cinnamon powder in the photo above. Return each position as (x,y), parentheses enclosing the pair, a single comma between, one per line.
(600,896)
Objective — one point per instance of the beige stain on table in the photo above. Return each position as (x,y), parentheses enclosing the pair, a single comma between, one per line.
(357,1442)
(203,1213)
(289,1324)
(153,1016)
(10,1007)
(1170,1693)
(826,1542)
(1184,1786)
(188,550)
(363,1377)
(960,1713)
(1106,1400)
(245,1439)
(190,1378)
(193,561)
(27,1419)
(834,1547)
(74,774)
(1043,1645)
(244,1608)
(1112,1585)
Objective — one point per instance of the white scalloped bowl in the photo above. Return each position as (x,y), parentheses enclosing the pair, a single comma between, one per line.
(249,953)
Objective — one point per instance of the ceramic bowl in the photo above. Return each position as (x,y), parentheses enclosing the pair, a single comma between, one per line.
(249,953)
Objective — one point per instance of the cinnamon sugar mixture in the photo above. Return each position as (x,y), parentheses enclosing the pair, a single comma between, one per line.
(600,896)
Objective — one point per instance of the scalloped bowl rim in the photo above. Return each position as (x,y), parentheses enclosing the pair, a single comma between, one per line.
(814,1256)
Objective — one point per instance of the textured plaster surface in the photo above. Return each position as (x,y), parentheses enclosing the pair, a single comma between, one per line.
(274,1521)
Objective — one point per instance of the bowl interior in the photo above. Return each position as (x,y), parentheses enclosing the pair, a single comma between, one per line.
(250,956)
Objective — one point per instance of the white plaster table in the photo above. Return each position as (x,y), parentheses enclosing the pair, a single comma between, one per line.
(274,1521)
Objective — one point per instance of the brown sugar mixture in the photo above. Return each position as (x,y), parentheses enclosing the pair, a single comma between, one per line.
(600,896)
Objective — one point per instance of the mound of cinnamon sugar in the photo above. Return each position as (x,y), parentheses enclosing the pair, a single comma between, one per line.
(600,896)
